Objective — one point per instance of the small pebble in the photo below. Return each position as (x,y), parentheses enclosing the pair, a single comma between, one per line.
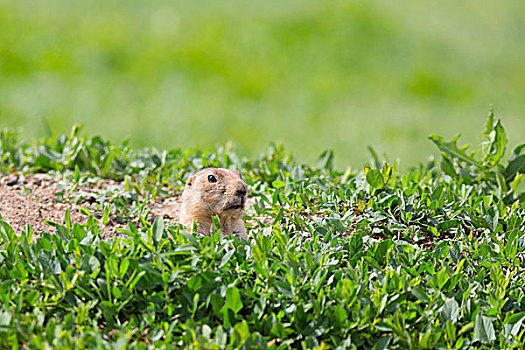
(12,180)
(89,199)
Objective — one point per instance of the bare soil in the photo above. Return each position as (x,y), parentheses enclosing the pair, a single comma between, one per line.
(37,200)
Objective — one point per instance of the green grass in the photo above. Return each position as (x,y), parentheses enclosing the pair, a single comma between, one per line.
(341,75)
(431,257)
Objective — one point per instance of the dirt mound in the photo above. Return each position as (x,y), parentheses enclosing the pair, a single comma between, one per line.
(38,200)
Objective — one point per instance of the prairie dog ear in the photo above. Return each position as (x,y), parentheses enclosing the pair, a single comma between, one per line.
(236,172)
(190,180)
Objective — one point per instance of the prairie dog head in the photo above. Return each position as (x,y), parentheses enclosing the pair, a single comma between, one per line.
(214,191)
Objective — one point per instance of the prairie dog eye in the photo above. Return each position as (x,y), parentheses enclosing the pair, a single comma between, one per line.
(212,178)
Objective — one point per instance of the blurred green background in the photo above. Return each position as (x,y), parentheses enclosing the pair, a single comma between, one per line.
(310,74)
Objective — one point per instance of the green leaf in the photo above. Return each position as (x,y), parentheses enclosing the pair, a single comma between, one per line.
(233,300)
(420,293)
(221,337)
(497,146)
(484,330)
(123,268)
(446,225)
(515,183)
(49,262)
(91,265)
(516,317)
(226,258)
(5,318)
(157,229)
(133,281)
(372,262)
(217,303)
(375,178)
(500,179)
(242,330)
(6,232)
(67,219)
(452,149)
(374,159)
(326,160)
(382,343)
(77,174)
(278,184)
(105,217)
(489,125)
(516,163)
(448,167)
(115,290)
(340,314)
(450,311)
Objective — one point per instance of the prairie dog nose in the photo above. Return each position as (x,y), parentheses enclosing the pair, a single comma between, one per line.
(242,189)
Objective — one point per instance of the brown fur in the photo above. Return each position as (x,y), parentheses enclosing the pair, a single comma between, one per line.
(226,199)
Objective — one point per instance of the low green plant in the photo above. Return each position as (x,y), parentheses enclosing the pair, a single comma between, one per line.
(485,165)
(428,258)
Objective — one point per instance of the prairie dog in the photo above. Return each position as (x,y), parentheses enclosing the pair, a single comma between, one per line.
(215,192)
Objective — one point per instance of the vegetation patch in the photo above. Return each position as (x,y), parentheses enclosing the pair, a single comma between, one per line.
(428,258)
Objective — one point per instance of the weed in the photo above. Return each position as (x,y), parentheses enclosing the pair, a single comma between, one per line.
(428,258)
